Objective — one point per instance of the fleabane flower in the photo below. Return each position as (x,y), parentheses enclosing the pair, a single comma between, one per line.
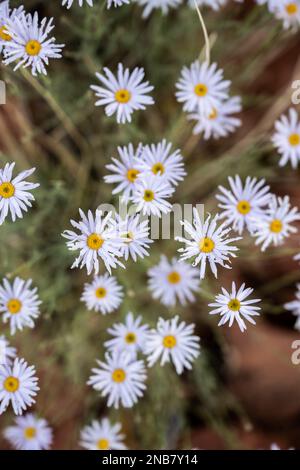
(18,386)
(163,5)
(214,4)
(294,307)
(97,240)
(123,94)
(6,14)
(124,171)
(7,352)
(287,138)
(201,87)
(243,202)
(274,226)
(288,11)
(103,295)
(172,281)
(102,435)
(19,304)
(151,194)
(29,433)
(233,306)
(158,160)
(129,336)
(219,122)
(120,379)
(69,3)
(135,232)
(173,342)
(208,242)
(15,195)
(30,45)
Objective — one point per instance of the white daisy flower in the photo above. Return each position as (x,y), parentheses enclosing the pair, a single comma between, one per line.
(124,171)
(243,202)
(30,45)
(117,3)
(103,295)
(18,386)
(202,87)
(7,352)
(163,5)
(150,195)
(219,123)
(97,238)
(287,138)
(233,306)
(7,13)
(174,343)
(275,225)
(119,379)
(123,94)
(172,281)
(29,433)
(14,192)
(69,3)
(289,12)
(214,4)
(294,307)
(158,160)
(102,436)
(129,336)
(136,236)
(207,242)
(19,304)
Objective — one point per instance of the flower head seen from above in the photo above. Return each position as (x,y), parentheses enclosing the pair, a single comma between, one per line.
(18,386)
(294,307)
(150,196)
(124,171)
(208,242)
(220,122)
(29,433)
(163,5)
(69,3)
(202,88)
(172,281)
(173,342)
(7,352)
(6,14)
(120,379)
(30,45)
(129,336)
(97,239)
(158,160)
(124,93)
(103,295)
(135,231)
(287,138)
(15,195)
(243,202)
(233,306)
(102,435)
(276,224)
(19,304)
(288,11)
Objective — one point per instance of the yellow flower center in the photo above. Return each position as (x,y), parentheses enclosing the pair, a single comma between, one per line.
(148,195)
(130,338)
(129,237)
(294,140)
(94,241)
(7,190)
(158,168)
(29,433)
(103,444)
(276,226)
(206,245)
(132,175)
(123,96)
(4,34)
(101,292)
(174,277)
(33,47)
(119,375)
(291,8)
(169,341)
(11,384)
(234,305)
(201,89)
(243,207)
(213,114)
(14,306)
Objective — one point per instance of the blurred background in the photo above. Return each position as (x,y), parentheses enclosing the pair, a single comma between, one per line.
(243,391)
